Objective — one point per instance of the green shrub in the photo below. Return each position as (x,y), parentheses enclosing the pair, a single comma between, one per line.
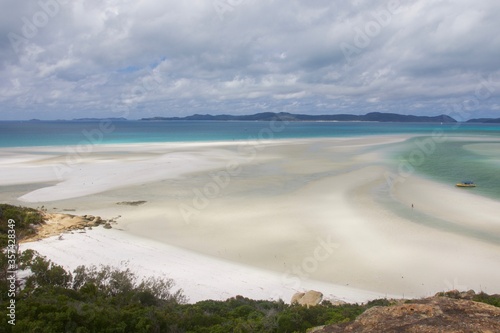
(488,299)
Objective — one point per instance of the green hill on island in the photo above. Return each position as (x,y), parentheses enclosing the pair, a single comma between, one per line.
(268,116)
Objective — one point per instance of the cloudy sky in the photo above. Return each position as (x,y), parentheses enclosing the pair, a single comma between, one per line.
(141,58)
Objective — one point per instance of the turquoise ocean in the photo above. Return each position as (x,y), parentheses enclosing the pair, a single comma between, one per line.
(473,155)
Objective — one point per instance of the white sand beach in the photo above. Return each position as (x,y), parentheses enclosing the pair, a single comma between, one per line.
(263,219)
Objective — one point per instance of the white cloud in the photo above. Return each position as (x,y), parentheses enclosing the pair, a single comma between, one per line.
(143,58)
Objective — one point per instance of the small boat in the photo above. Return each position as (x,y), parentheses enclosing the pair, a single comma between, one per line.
(466,183)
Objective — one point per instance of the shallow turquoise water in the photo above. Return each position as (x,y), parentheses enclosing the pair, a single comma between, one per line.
(44,133)
(450,162)
(455,160)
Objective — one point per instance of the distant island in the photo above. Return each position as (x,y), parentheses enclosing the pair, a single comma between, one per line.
(485,120)
(100,119)
(268,116)
(286,116)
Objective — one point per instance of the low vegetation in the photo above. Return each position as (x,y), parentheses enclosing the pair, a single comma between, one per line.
(26,219)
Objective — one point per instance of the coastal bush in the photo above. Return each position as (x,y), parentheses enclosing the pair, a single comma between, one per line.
(25,220)
(488,299)
(43,272)
(378,302)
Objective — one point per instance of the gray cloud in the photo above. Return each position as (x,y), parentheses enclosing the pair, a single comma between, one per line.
(90,58)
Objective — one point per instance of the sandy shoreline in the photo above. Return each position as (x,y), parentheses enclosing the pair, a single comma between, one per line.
(201,277)
(260,218)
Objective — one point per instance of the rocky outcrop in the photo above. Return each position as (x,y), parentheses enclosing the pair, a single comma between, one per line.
(56,224)
(310,298)
(430,315)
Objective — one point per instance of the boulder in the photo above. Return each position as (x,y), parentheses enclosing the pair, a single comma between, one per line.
(309,298)
(296,297)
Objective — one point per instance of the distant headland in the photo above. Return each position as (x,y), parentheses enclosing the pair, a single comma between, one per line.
(267,116)
(485,120)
